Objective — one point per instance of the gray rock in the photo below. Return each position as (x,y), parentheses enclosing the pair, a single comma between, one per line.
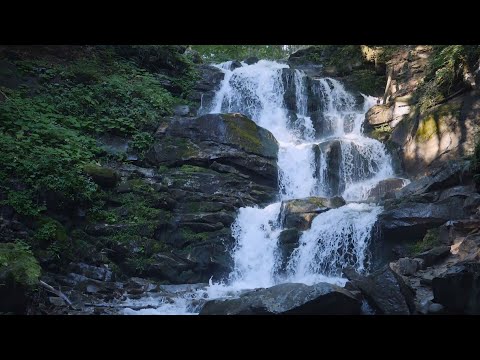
(379,115)
(435,308)
(251,60)
(288,299)
(228,139)
(385,188)
(92,272)
(451,174)
(299,213)
(287,242)
(235,64)
(434,255)
(406,266)
(57,301)
(181,110)
(384,290)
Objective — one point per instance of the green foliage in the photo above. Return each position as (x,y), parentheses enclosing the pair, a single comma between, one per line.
(192,236)
(220,53)
(446,67)
(17,261)
(387,51)
(23,203)
(430,240)
(142,142)
(367,82)
(49,129)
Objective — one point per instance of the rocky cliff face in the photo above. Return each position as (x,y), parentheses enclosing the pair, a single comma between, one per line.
(425,124)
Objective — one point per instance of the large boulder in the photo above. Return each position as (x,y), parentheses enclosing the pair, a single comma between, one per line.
(456,230)
(444,132)
(379,115)
(432,256)
(384,290)
(459,288)
(453,173)
(299,213)
(103,176)
(444,197)
(231,140)
(288,299)
(385,189)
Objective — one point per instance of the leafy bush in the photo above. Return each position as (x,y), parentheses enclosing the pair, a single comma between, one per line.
(445,71)
(220,53)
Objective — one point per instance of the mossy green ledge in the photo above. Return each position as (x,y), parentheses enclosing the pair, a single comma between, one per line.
(228,139)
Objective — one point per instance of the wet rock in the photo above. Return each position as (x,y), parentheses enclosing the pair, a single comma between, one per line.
(288,299)
(204,89)
(287,242)
(385,189)
(181,110)
(384,290)
(103,176)
(235,64)
(139,284)
(251,60)
(436,308)
(459,288)
(92,272)
(299,213)
(451,174)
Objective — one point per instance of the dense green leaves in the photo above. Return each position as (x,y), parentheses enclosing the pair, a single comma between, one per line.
(445,71)
(48,132)
(219,53)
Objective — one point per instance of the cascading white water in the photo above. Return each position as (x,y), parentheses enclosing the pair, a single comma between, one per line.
(338,237)
(258,91)
(255,261)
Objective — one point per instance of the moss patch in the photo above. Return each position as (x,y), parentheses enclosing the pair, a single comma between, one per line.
(243,132)
(431,123)
(427,128)
(429,241)
(18,263)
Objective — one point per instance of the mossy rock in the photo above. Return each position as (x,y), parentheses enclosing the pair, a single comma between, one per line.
(432,122)
(251,137)
(429,241)
(105,177)
(18,263)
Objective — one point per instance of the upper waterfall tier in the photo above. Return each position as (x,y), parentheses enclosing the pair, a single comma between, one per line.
(317,122)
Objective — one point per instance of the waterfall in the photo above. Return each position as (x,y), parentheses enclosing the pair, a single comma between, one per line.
(338,160)
(322,152)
